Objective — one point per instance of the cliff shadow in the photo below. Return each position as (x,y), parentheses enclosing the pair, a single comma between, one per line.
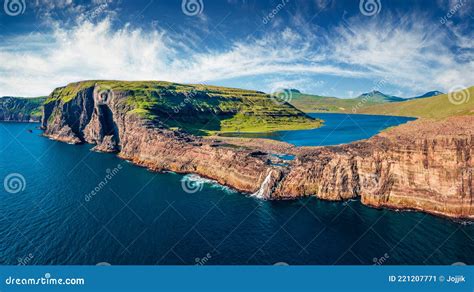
(107,123)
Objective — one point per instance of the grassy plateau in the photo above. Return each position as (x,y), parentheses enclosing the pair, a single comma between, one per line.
(16,106)
(199,109)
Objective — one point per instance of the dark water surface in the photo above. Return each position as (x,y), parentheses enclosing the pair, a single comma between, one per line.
(140,217)
(337,129)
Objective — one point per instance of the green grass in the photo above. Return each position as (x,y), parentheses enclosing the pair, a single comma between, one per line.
(25,106)
(316,103)
(436,107)
(196,108)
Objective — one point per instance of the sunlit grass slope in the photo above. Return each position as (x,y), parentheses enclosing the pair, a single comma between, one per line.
(458,103)
(201,109)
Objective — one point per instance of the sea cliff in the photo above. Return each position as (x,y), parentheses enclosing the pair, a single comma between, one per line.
(422,165)
(17,109)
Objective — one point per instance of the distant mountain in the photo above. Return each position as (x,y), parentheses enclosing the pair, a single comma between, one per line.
(379,97)
(317,103)
(428,94)
(293,90)
(434,107)
(287,91)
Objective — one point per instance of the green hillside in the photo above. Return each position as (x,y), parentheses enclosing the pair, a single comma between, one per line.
(200,109)
(19,108)
(436,107)
(316,103)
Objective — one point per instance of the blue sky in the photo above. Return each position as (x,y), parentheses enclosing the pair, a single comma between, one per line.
(328,47)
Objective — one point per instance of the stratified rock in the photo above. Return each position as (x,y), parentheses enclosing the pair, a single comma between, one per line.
(423,165)
(108,145)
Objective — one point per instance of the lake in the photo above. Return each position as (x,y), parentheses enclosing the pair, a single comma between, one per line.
(64,204)
(337,129)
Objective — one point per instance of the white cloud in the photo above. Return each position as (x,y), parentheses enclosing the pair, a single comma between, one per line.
(85,52)
(461,7)
(410,52)
(96,51)
(402,50)
(54,4)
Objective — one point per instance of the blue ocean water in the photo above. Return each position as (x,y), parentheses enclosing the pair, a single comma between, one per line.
(337,129)
(64,204)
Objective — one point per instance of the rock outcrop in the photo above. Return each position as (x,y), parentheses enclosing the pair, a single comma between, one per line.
(422,165)
(17,109)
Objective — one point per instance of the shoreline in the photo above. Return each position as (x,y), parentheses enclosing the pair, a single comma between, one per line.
(291,149)
(20,122)
(376,170)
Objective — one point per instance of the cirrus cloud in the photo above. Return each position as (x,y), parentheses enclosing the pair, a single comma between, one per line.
(400,50)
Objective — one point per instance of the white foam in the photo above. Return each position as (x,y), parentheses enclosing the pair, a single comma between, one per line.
(211,183)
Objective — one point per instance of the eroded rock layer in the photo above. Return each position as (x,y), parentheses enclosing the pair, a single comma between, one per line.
(422,165)
(17,109)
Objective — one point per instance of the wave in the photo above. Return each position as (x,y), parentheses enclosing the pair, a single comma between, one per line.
(199,180)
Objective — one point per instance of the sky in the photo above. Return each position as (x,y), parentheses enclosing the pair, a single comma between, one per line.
(325,47)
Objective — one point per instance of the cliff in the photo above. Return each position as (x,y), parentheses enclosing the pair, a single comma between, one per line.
(139,126)
(17,109)
(422,165)
(197,109)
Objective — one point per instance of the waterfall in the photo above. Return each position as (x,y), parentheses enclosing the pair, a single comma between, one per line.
(260,194)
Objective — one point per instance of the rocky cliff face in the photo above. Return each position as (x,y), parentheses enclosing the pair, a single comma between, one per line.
(16,109)
(428,166)
(422,165)
(106,120)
